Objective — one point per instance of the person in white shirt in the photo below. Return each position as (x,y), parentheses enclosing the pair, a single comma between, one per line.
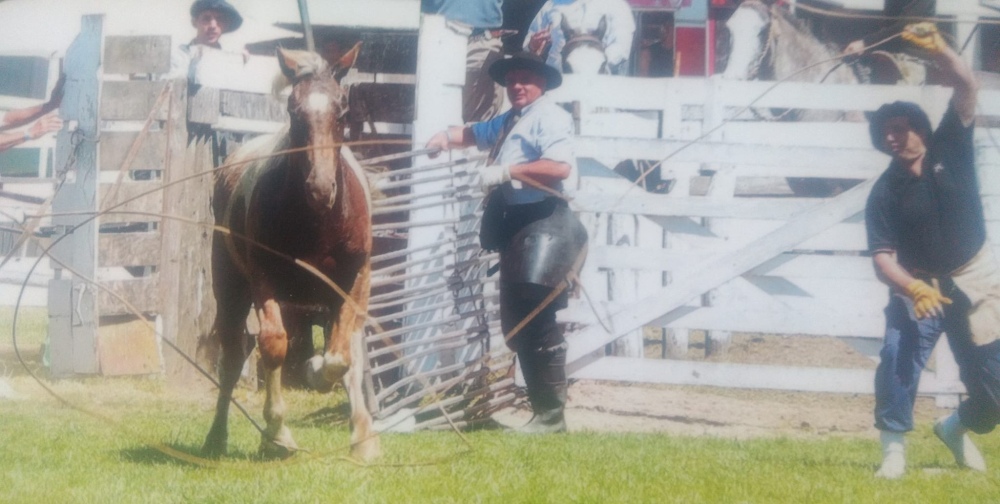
(546,38)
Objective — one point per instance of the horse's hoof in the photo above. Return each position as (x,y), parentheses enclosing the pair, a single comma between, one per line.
(367,450)
(315,377)
(213,450)
(215,445)
(274,450)
(281,446)
(334,367)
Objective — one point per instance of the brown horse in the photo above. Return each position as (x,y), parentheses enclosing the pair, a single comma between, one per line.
(310,205)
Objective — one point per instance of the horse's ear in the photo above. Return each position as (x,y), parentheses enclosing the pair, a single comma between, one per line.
(288,63)
(602,27)
(346,61)
(567,30)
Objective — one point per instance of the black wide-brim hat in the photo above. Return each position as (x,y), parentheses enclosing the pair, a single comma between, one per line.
(233,17)
(526,61)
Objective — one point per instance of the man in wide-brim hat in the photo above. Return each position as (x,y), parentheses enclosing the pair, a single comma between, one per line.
(527,219)
(212,18)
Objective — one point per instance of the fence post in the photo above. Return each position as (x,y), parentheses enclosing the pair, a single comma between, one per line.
(440,77)
(73,301)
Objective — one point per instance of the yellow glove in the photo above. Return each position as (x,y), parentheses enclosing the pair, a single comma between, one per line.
(927,300)
(925,36)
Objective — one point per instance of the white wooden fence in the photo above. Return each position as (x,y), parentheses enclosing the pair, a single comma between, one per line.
(769,263)
(728,249)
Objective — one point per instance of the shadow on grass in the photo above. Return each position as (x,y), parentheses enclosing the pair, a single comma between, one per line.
(151,456)
(324,417)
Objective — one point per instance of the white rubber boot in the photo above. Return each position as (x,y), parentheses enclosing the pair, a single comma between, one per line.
(951,432)
(893,456)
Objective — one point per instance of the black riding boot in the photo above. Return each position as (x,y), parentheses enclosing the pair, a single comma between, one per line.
(546,382)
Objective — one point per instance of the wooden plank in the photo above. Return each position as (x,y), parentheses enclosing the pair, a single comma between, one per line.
(136,54)
(383,52)
(115,146)
(131,100)
(141,293)
(752,160)
(791,265)
(203,105)
(643,203)
(187,307)
(128,347)
(809,317)
(252,106)
(146,197)
(722,267)
(749,376)
(129,249)
(649,94)
(393,103)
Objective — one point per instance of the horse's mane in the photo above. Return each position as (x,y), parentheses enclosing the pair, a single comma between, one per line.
(796,47)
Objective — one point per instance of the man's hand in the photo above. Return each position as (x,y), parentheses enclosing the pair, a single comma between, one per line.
(925,36)
(47,124)
(539,41)
(494,175)
(440,142)
(927,300)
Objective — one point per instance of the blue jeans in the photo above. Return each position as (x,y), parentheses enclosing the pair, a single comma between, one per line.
(907,346)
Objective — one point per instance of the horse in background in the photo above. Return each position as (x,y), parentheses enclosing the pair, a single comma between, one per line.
(769,43)
(583,52)
(310,205)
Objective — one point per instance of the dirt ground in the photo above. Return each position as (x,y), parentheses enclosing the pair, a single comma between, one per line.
(731,413)
(680,410)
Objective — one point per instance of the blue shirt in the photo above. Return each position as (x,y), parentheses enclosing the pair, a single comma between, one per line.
(545,131)
(475,13)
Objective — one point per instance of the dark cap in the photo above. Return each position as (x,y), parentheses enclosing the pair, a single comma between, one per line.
(911,111)
(526,61)
(233,17)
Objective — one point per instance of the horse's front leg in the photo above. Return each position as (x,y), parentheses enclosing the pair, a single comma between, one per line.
(273,342)
(364,440)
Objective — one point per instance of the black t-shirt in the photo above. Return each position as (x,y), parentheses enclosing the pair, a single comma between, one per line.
(934,222)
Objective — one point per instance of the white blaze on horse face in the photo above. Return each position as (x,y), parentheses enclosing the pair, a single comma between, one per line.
(745,42)
(318,103)
(585,60)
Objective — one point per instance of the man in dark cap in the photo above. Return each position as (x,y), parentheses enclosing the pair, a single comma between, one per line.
(927,236)
(527,219)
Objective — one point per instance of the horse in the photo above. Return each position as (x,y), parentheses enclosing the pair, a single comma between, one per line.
(583,52)
(309,205)
(769,43)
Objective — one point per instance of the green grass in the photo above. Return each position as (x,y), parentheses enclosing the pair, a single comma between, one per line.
(51,453)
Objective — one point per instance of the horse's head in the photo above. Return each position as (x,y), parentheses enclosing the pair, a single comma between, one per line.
(316,106)
(748,32)
(584,50)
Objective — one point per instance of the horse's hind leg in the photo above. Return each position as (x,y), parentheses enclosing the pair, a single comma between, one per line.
(273,343)
(230,320)
(351,329)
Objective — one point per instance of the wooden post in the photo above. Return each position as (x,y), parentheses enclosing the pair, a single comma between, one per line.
(440,77)
(72,301)
(723,188)
(188,306)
